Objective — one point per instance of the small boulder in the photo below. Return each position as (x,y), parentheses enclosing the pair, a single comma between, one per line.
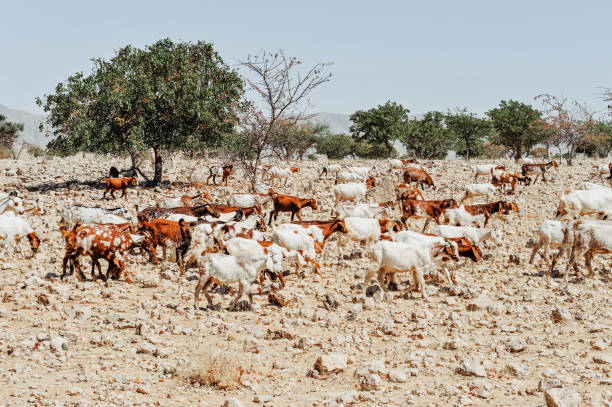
(561,397)
(331,363)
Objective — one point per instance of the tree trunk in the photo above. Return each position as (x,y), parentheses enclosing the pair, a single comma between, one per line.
(390,148)
(519,151)
(570,155)
(157,178)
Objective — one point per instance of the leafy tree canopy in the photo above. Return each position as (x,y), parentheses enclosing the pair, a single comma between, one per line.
(8,132)
(518,126)
(468,131)
(169,96)
(380,125)
(427,137)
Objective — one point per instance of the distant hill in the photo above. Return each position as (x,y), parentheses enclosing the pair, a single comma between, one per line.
(30,121)
(337,122)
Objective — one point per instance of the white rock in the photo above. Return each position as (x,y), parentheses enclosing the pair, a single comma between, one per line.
(232,402)
(371,381)
(561,397)
(331,363)
(471,368)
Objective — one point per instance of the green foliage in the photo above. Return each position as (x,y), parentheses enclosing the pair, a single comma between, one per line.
(169,96)
(468,130)
(335,146)
(599,141)
(372,150)
(293,141)
(36,151)
(8,132)
(518,126)
(380,125)
(427,137)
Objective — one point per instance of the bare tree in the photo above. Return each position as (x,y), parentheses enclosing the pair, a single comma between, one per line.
(570,122)
(282,90)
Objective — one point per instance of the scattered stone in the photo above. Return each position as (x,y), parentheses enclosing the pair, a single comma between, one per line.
(331,363)
(278,299)
(331,301)
(603,359)
(232,402)
(262,398)
(518,369)
(242,305)
(397,377)
(562,397)
(559,315)
(547,383)
(251,345)
(471,368)
(479,303)
(371,381)
(515,345)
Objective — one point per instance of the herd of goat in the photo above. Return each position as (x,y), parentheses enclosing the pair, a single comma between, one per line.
(227,243)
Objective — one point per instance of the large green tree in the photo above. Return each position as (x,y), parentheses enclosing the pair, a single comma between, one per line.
(427,137)
(380,125)
(469,131)
(167,97)
(8,133)
(518,126)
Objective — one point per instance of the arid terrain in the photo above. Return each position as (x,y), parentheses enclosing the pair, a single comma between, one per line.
(510,335)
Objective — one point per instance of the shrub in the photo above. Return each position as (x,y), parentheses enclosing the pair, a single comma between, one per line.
(36,151)
(5,153)
(215,369)
(539,152)
(494,151)
(335,146)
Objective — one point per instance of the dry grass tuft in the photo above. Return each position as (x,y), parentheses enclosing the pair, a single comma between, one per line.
(215,369)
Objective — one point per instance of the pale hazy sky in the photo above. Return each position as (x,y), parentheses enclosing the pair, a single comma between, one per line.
(425,55)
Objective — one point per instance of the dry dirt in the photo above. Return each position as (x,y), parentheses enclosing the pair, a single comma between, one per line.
(94,343)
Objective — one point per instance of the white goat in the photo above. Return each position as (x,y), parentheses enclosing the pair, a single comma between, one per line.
(12,203)
(13,229)
(460,217)
(345,176)
(485,169)
(472,190)
(359,230)
(474,235)
(221,268)
(362,210)
(352,191)
(76,213)
(583,202)
(399,257)
(303,242)
(550,234)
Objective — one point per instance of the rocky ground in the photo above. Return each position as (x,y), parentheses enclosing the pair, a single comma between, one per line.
(515,337)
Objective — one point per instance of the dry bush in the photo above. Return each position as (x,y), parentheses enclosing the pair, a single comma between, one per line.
(494,151)
(219,370)
(5,153)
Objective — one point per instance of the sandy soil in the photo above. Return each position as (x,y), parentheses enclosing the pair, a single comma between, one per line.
(514,330)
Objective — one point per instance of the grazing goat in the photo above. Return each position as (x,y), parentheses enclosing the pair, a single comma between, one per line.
(221,268)
(100,242)
(182,201)
(398,257)
(395,164)
(345,176)
(586,238)
(116,184)
(366,230)
(77,213)
(361,171)
(152,212)
(404,192)
(224,172)
(431,243)
(352,191)
(288,203)
(282,173)
(164,233)
(249,200)
(364,210)
(419,177)
(538,170)
(330,169)
(413,208)
(485,169)
(301,241)
(472,190)
(550,234)
(474,235)
(583,202)
(11,202)
(603,169)
(14,228)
